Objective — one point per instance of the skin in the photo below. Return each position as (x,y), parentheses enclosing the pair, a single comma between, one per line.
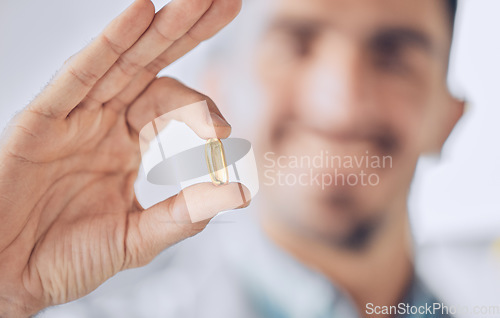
(347,77)
(68,162)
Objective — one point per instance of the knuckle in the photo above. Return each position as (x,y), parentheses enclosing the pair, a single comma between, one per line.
(166,37)
(85,77)
(127,66)
(155,66)
(116,48)
(166,81)
(164,87)
(44,112)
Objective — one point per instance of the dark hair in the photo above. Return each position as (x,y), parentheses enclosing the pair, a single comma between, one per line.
(452,9)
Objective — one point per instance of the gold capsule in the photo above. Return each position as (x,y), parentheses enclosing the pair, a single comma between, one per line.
(216,162)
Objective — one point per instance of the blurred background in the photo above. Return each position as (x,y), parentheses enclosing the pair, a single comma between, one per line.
(454,206)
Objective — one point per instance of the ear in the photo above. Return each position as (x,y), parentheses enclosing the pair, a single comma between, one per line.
(451,112)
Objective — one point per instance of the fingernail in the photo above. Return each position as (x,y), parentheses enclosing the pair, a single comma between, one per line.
(217,121)
(245,196)
(244,205)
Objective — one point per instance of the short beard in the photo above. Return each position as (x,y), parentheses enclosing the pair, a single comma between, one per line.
(358,239)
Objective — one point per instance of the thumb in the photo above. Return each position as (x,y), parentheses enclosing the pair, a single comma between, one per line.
(151,231)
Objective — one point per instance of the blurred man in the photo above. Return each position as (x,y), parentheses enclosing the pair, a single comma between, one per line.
(347,81)
(356,92)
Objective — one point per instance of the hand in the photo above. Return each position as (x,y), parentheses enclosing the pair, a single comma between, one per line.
(69,218)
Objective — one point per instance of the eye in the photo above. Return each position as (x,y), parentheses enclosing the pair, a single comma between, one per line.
(293,40)
(389,53)
(290,44)
(302,40)
(400,50)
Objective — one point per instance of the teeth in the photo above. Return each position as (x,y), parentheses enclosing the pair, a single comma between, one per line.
(216,162)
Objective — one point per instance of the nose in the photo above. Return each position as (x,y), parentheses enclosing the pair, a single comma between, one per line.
(334,89)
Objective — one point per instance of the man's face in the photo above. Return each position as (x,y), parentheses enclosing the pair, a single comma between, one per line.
(362,85)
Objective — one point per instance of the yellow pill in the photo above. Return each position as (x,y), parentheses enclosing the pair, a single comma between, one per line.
(216,162)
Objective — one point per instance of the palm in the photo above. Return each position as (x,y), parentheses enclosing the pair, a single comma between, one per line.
(83,217)
(68,163)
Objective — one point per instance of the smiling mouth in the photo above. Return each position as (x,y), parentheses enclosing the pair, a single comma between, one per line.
(382,138)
